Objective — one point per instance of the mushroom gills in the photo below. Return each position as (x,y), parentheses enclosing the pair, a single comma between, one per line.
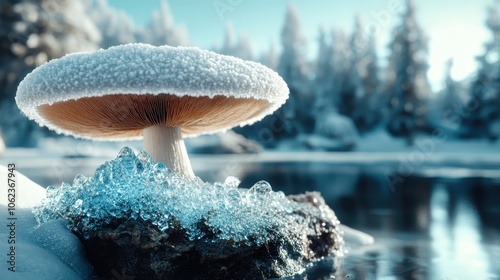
(124,116)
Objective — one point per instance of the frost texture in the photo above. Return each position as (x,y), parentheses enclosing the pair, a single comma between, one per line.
(145,69)
(132,187)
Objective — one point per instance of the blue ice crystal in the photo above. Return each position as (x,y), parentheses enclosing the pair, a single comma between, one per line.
(134,187)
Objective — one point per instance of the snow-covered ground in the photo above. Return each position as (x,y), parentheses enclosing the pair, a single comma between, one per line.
(381,141)
(43,253)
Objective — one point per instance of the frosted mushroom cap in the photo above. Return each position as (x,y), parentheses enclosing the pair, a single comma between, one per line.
(114,94)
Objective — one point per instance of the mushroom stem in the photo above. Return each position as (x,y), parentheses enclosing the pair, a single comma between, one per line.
(165,144)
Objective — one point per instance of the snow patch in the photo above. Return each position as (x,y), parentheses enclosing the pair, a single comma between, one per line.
(229,142)
(333,132)
(43,252)
(28,193)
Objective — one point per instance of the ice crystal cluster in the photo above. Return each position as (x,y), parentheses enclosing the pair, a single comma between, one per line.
(133,187)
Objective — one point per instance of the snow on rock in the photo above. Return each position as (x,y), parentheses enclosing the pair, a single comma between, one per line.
(145,69)
(337,126)
(333,132)
(380,140)
(43,253)
(354,238)
(228,142)
(55,237)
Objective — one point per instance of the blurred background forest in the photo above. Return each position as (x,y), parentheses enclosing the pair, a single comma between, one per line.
(346,95)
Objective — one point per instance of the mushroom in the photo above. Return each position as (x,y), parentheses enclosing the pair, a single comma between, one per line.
(160,94)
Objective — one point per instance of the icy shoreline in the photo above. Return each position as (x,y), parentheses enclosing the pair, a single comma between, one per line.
(62,167)
(34,158)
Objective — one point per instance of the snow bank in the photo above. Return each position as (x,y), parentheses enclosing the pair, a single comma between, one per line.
(228,142)
(333,132)
(43,253)
(355,238)
(28,193)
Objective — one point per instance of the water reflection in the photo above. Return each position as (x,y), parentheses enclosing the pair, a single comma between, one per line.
(425,228)
(455,235)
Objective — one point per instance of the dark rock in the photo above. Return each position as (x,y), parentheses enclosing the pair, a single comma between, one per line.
(138,248)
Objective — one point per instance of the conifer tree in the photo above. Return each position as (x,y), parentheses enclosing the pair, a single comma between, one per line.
(31,33)
(407,83)
(480,116)
(162,31)
(296,115)
(116,26)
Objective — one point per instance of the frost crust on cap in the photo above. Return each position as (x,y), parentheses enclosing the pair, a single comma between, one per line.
(145,69)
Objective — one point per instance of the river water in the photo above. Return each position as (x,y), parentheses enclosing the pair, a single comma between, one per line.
(425,227)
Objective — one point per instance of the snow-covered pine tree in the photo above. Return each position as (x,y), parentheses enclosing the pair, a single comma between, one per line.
(270,57)
(480,116)
(295,115)
(116,26)
(228,46)
(162,31)
(324,73)
(450,102)
(31,33)
(358,79)
(332,72)
(241,48)
(340,61)
(407,83)
(369,109)
(244,48)
(352,86)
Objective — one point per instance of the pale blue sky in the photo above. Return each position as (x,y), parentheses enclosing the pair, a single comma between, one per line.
(456,28)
